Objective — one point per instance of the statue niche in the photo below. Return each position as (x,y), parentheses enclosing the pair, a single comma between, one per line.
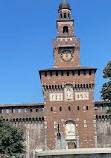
(68,92)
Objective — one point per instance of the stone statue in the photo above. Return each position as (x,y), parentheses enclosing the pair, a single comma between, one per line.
(68,94)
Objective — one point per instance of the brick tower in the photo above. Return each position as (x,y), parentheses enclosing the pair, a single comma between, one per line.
(68,88)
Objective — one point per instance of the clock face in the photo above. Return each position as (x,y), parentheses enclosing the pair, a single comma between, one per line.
(66,55)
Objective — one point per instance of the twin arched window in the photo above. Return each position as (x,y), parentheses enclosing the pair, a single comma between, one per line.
(65,29)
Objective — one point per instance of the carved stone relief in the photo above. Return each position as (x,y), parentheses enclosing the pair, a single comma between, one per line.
(70,131)
(81,95)
(56,96)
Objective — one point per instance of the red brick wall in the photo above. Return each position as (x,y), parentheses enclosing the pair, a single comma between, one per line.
(84,119)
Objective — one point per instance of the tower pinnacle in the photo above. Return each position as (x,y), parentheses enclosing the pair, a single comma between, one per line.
(64,5)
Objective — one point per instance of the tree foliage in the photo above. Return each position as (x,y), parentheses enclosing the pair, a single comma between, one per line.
(107,71)
(11,139)
(106,88)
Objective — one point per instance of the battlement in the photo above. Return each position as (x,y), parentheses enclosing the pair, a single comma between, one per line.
(22,112)
(101,108)
(81,78)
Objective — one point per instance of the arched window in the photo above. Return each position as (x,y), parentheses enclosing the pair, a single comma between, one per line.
(61,16)
(64,15)
(65,29)
(68,15)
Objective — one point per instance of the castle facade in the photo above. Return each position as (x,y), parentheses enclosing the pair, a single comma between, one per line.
(69,118)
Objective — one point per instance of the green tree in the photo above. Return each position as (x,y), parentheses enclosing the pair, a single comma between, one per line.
(11,139)
(106,88)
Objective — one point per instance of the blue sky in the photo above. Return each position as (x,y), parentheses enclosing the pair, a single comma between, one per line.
(27,28)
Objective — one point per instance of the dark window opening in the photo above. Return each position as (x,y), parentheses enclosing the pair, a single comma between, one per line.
(86,107)
(29,119)
(73,73)
(78,72)
(58,127)
(56,73)
(84,72)
(69,15)
(51,108)
(64,15)
(45,73)
(65,29)
(69,108)
(50,73)
(62,73)
(78,108)
(58,133)
(37,110)
(60,108)
(61,16)
(67,73)
(89,72)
